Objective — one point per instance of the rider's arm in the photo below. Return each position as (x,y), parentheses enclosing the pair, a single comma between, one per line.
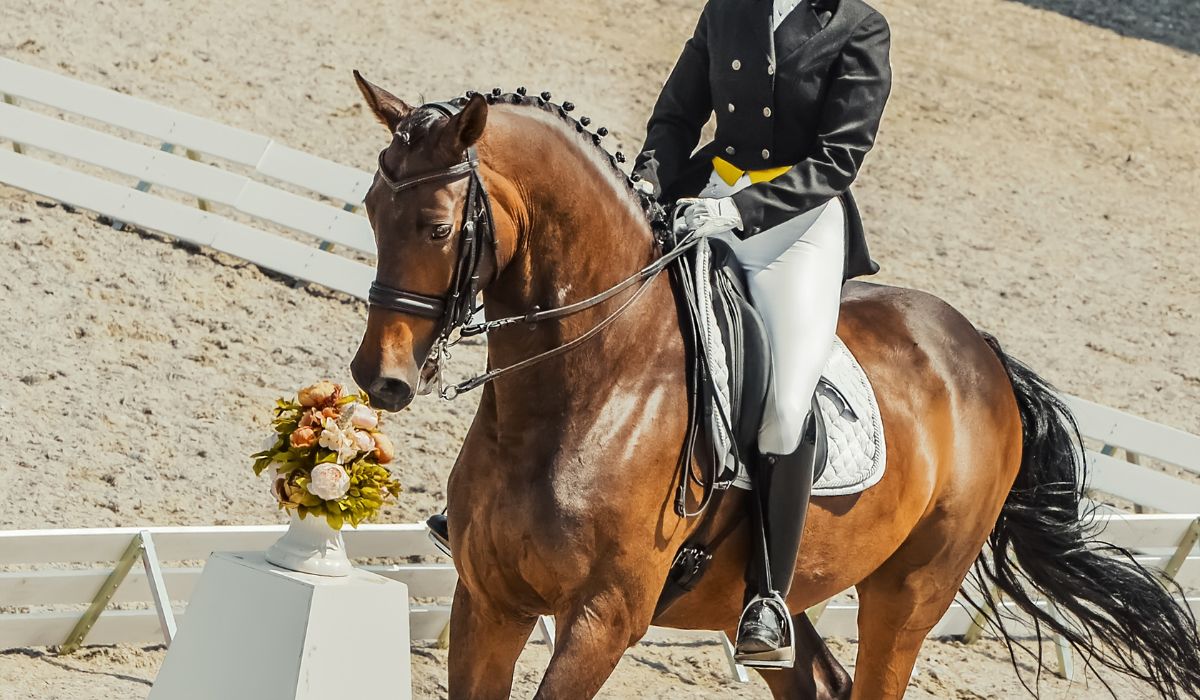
(683,108)
(859,83)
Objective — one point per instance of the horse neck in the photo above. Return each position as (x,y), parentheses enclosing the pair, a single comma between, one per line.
(580,234)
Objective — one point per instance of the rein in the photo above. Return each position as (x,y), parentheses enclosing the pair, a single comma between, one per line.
(645,276)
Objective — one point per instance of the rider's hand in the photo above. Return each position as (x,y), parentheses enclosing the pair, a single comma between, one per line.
(706,216)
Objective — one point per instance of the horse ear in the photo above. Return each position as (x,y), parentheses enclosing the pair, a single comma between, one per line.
(467,125)
(388,108)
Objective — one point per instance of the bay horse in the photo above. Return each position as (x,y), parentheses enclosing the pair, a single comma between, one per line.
(560,501)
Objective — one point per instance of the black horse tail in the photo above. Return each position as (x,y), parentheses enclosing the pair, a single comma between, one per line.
(1110,608)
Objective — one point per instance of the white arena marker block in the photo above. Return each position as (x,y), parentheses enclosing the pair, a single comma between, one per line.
(256,631)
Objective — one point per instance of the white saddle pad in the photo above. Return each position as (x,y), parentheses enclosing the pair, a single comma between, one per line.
(857,453)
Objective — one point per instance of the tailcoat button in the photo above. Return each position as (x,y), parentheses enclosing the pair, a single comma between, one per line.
(736,65)
(771,69)
(730,150)
(766,111)
(766,154)
(730,106)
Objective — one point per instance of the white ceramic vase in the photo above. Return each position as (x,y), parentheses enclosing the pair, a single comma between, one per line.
(310,546)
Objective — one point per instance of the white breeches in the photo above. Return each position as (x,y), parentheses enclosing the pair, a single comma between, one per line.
(794,271)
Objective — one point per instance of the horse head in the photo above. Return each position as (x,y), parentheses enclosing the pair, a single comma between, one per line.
(489,191)
(419,227)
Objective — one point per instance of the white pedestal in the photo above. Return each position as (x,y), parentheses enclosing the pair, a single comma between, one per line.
(253,630)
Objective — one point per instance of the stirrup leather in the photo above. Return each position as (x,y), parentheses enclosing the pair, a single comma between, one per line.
(784,656)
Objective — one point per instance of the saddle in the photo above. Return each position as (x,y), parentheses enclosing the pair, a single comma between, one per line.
(730,369)
(731,357)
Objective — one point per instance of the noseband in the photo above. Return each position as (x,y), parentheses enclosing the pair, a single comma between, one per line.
(477,233)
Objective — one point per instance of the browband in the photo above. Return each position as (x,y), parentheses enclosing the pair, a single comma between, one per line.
(454,172)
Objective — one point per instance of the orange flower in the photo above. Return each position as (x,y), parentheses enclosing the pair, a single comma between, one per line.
(303,437)
(385,451)
(311,418)
(323,393)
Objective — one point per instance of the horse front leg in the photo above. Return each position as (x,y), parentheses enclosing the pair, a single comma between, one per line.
(484,646)
(592,636)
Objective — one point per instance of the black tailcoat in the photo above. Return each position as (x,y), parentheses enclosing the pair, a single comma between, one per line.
(814,105)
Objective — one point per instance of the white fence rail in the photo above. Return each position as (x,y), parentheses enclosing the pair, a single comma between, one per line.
(1157,536)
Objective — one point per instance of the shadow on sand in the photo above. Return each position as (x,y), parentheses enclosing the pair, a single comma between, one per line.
(1173,23)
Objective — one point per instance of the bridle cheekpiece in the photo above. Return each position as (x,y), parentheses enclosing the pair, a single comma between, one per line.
(475,238)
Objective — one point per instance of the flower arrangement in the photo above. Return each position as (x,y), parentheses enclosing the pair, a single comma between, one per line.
(327,456)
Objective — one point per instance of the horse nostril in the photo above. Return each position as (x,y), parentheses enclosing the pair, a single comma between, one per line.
(392,393)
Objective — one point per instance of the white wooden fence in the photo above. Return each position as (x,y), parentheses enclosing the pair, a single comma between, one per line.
(34,134)
(43,587)
(253,178)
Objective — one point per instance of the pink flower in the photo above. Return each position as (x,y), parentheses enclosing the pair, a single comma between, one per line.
(329,481)
(362,416)
(363,441)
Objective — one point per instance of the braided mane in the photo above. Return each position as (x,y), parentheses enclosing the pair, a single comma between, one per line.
(653,211)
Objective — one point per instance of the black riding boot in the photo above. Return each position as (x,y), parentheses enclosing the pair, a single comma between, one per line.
(782,487)
(439,532)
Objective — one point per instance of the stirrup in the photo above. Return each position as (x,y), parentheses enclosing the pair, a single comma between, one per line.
(441,546)
(784,656)
(437,540)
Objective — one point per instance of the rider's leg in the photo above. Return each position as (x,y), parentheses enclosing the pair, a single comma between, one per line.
(795,277)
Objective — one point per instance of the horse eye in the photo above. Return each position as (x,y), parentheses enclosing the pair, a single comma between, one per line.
(441,230)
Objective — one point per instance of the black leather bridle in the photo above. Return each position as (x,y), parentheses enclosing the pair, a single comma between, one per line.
(476,237)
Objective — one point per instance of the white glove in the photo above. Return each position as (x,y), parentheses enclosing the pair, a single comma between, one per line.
(706,216)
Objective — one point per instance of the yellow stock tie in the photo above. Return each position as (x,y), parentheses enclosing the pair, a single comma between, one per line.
(731,173)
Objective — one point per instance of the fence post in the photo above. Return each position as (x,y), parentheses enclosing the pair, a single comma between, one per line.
(158,587)
(546,627)
(8,99)
(202,203)
(1066,660)
(141,545)
(815,612)
(326,245)
(443,638)
(103,596)
(739,671)
(975,631)
(1189,540)
(142,185)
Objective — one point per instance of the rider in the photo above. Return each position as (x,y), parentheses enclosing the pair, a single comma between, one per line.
(798,87)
